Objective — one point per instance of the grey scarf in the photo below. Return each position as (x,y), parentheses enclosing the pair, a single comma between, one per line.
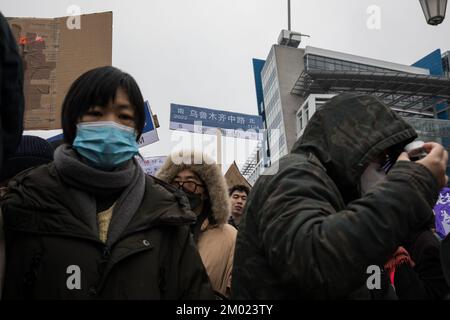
(86,182)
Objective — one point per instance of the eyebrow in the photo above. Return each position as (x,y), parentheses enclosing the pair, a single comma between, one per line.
(124,106)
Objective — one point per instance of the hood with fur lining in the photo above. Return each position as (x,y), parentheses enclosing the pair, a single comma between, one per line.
(208,171)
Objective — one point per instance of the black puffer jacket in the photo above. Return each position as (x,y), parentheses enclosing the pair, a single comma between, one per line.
(47,242)
(307,232)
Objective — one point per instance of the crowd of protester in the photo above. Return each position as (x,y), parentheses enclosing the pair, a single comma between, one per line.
(81,220)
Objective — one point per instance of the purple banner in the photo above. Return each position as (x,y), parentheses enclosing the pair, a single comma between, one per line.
(442,213)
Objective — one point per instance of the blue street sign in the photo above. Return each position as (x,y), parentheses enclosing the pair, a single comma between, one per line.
(149,134)
(204,120)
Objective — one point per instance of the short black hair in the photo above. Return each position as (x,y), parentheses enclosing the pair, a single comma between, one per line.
(240,188)
(98,87)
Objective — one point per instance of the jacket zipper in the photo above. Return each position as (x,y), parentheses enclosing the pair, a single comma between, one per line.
(106,250)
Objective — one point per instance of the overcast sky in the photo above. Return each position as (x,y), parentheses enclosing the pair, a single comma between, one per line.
(198,52)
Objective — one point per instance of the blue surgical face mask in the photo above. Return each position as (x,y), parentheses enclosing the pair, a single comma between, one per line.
(105,144)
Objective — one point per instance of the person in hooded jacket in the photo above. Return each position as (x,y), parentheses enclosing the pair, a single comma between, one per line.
(339,206)
(91,224)
(203,183)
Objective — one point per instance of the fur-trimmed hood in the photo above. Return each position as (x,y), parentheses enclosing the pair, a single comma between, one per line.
(208,171)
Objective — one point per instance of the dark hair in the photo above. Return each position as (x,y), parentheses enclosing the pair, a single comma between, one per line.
(98,87)
(240,188)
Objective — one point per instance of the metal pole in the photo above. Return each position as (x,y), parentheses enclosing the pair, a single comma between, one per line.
(289,15)
(219,147)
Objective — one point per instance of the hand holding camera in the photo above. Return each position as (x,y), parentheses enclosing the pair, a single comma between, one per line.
(415,150)
(431,155)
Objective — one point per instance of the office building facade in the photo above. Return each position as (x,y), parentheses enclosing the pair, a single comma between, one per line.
(295,82)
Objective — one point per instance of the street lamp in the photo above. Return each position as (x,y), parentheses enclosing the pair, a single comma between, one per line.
(434,10)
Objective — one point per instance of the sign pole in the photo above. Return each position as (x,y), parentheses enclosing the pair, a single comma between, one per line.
(289,15)
(219,147)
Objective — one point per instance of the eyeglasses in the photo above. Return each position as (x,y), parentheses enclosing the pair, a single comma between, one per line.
(189,186)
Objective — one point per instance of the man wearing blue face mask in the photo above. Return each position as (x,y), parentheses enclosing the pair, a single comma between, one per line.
(92,225)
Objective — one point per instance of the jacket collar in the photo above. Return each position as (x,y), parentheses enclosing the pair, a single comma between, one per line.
(162,205)
(54,211)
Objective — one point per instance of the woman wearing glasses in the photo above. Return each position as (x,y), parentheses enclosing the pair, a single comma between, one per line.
(206,189)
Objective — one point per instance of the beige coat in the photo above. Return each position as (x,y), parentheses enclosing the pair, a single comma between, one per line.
(216,248)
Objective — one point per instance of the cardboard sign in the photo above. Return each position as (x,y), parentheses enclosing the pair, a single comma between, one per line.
(54,55)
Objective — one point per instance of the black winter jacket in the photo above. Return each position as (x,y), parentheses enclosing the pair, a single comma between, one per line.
(48,246)
(307,232)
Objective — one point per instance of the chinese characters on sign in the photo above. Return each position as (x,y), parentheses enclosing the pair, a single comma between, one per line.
(442,213)
(206,121)
(151,165)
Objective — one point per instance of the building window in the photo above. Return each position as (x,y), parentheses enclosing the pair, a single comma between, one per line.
(313,62)
(329,66)
(446,64)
